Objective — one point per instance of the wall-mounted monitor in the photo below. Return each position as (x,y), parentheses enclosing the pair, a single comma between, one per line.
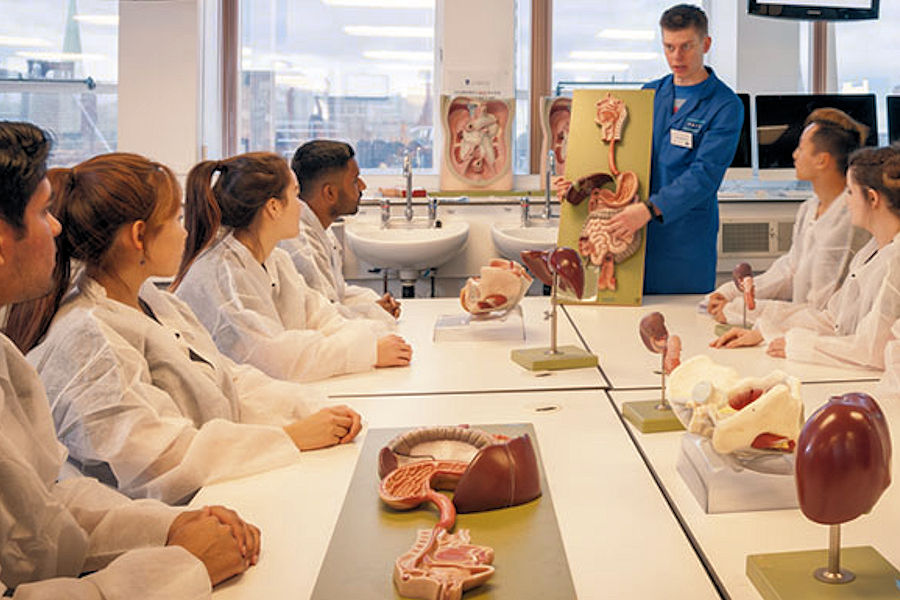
(743,156)
(779,122)
(893,119)
(815,10)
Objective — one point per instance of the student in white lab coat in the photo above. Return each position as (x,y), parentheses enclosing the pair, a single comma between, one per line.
(824,241)
(857,322)
(247,292)
(138,391)
(330,187)
(52,531)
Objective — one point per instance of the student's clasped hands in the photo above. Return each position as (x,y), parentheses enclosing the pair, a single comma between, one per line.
(330,426)
(225,544)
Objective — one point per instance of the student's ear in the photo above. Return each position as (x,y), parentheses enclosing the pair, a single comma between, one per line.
(329,193)
(707,42)
(6,236)
(873,198)
(274,206)
(136,234)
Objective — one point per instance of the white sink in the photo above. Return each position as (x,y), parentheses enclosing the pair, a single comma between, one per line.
(406,247)
(510,239)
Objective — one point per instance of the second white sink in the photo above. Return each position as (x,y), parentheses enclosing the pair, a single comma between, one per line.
(510,240)
(406,247)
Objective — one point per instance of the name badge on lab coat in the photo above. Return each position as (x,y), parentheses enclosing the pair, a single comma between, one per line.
(682,139)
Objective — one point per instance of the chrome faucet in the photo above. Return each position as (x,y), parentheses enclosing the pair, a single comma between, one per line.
(407,173)
(432,210)
(385,212)
(523,204)
(551,171)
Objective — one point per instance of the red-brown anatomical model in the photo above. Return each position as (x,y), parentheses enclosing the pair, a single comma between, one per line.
(486,472)
(743,280)
(656,338)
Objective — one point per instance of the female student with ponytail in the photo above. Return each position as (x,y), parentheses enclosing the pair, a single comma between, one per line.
(247,292)
(137,389)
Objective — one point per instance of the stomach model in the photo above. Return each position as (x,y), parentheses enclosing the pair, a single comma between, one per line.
(486,471)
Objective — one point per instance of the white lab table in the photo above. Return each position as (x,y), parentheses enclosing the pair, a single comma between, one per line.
(726,539)
(621,539)
(611,332)
(466,366)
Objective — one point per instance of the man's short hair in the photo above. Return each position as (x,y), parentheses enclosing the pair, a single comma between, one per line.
(682,16)
(317,158)
(23,164)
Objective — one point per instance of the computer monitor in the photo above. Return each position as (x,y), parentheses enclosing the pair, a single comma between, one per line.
(779,122)
(815,10)
(743,156)
(893,118)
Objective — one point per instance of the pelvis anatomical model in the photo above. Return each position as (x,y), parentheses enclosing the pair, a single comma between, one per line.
(763,413)
(596,242)
(557,114)
(498,290)
(478,152)
(486,472)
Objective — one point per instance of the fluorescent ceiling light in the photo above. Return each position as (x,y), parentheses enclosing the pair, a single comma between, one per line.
(61,56)
(403,55)
(428,4)
(586,66)
(627,34)
(612,55)
(28,42)
(389,31)
(98,19)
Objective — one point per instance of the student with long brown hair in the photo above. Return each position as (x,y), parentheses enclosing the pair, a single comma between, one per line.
(247,292)
(138,391)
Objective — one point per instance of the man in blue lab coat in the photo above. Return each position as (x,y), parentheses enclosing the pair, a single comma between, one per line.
(696,123)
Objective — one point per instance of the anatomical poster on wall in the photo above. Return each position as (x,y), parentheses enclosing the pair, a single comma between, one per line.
(477,143)
(608,165)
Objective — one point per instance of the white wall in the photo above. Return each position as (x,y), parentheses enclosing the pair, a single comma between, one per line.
(160,80)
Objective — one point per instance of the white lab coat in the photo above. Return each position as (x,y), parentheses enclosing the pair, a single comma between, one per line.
(51,532)
(855,325)
(889,386)
(137,411)
(317,255)
(267,316)
(814,267)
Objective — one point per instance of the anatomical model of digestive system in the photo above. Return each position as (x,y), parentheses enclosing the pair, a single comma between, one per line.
(486,471)
(596,243)
(477,134)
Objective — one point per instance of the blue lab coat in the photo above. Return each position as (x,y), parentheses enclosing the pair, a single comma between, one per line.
(681,249)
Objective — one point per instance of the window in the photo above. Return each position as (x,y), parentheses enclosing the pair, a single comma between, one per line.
(866,59)
(355,70)
(607,42)
(58,69)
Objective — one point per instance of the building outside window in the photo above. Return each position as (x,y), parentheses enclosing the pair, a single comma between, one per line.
(361,71)
(58,69)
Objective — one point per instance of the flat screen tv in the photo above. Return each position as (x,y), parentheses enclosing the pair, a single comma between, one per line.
(893,118)
(779,122)
(815,10)
(743,158)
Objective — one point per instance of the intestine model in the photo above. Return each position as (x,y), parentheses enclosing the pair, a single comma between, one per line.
(743,281)
(498,290)
(486,471)
(478,143)
(737,414)
(596,242)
